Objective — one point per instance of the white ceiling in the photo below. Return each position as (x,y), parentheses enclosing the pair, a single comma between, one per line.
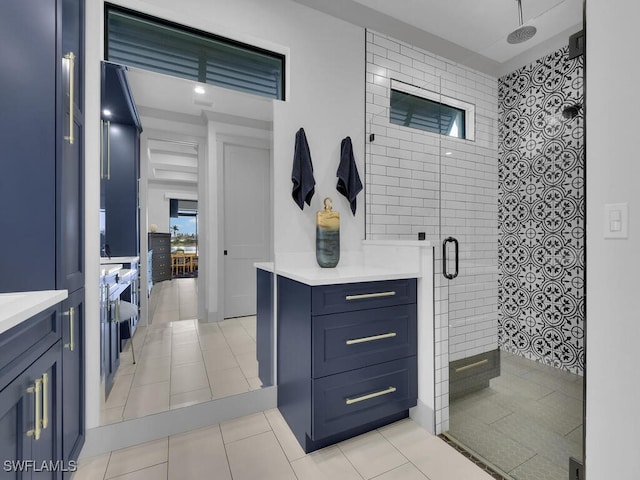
(471,32)
(177,95)
(483,25)
(175,99)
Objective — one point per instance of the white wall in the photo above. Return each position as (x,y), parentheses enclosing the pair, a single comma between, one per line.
(613,176)
(325,96)
(327,100)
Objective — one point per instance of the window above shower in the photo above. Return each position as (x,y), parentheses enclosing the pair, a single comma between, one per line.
(415,107)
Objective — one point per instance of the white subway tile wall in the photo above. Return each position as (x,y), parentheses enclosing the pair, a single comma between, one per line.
(423,182)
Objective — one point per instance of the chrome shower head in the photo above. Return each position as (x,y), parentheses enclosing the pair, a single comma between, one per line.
(523,33)
(572,111)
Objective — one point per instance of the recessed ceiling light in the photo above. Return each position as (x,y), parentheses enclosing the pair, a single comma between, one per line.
(106,112)
(448,153)
(199,89)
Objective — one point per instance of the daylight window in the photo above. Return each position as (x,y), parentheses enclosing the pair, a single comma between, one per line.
(183,225)
(418,108)
(139,40)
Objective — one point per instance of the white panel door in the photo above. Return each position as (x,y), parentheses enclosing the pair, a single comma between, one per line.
(247,224)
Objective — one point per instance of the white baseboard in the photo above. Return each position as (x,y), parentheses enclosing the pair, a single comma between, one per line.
(423,416)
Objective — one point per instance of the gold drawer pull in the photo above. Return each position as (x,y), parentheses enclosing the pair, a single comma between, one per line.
(72,335)
(108,150)
(45,400)
(70,58)
(101,149)
(37,428)
(370,295)
(370,339)
(472,365)
(389,390)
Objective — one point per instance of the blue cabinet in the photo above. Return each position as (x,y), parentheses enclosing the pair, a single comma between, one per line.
(109,328)
(70,165)
(119,163)
(29,144)
(72,381)
(264,326)
(346,357)
(30,420)
(41,188)
(31,397)
(41,182)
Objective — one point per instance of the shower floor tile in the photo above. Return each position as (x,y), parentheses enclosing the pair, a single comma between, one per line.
(491,444)
(539,468)
(527,423)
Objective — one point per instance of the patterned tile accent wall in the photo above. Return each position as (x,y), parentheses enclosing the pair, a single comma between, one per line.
(541,213)
(409,179)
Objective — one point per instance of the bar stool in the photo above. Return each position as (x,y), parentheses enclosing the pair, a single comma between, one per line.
(125,312)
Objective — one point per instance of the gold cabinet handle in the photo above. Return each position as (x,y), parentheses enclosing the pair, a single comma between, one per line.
(350,401)
(112,311)
(370,295)
(37,428)
(71,59)
(108,150)
(101,149)
(45,400)
(472,365)
(72,334)
(370,339)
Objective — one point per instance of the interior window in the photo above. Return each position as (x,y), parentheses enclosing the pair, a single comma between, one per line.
(151,43)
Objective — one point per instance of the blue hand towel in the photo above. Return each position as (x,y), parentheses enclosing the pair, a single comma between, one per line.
(349,183)
(302,173)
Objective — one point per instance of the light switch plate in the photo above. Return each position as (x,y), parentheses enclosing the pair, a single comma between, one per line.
(616,220)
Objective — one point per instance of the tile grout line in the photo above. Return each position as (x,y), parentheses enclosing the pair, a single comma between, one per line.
(275,435)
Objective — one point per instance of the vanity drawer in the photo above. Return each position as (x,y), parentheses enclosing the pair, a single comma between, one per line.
(347,297)
(24,343)
(346,341)
(351,399)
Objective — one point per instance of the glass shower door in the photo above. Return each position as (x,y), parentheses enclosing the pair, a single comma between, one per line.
(515,309)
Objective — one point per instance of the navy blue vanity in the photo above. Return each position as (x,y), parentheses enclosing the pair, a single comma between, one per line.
(346,356)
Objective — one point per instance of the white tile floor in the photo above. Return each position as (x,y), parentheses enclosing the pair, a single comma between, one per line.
(181,361)
(261,447)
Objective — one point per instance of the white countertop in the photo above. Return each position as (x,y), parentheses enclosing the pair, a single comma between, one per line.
(126,275)
(398,243)
(17,307)
(110,269)
(378,260)
(266,266)
(112,260)
(346,274)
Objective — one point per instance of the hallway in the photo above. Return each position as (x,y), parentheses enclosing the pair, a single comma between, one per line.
(181,361)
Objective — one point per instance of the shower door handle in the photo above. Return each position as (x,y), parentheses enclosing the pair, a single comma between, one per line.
(450,276)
